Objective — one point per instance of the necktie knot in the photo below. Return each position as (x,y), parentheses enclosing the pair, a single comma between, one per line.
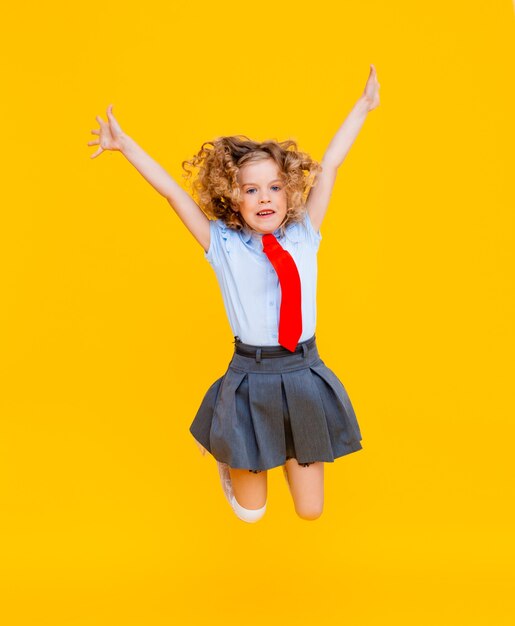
(270,241)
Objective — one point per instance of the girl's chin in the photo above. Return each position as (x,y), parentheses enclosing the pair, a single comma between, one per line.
(263,230)
(267,225)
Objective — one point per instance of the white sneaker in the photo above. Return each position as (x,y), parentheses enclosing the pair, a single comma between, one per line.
(225,479)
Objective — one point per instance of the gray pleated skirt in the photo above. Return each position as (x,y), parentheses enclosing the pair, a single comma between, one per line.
(272,404)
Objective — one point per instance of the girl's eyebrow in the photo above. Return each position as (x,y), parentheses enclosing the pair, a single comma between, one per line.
(272,181)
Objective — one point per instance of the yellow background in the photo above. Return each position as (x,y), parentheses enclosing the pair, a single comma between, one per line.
(110,515)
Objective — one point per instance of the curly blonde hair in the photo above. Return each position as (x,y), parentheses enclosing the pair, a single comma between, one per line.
(216,187)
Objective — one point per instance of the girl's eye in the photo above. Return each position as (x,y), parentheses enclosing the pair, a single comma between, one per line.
(273,187)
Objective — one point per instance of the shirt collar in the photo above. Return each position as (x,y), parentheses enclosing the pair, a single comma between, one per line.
(247,233)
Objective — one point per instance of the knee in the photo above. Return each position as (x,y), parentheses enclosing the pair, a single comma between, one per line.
(309,512)
(247,515)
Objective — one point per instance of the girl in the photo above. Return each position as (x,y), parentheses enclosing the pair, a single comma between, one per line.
(277,404)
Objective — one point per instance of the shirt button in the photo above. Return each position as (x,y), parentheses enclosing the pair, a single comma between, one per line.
(271,303)
(274,334)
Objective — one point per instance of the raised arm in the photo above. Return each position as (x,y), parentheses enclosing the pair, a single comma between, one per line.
(111,137)
(319,195)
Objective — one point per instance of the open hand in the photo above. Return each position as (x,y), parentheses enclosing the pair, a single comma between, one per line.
(371,93)
(110,134)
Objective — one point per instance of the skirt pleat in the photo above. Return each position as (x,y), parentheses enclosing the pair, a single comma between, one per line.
(310,436)
(226,433)
(265,407)
(337,405)
(246,414)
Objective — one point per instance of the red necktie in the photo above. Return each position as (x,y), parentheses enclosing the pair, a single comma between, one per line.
(290,315)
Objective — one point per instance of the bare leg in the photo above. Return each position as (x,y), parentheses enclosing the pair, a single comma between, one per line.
(306,487)
(250,489)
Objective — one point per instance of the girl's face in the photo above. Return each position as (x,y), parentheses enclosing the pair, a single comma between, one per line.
(262,189)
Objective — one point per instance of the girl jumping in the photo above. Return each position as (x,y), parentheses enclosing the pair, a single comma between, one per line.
(257,214)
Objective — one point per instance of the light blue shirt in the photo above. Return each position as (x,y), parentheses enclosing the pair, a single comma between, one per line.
(249,283)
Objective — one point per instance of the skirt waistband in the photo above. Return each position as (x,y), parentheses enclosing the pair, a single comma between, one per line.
(270,352)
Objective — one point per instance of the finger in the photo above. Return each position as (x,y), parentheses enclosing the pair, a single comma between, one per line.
(94,142)
(100,120)
(95,131)
(99,151)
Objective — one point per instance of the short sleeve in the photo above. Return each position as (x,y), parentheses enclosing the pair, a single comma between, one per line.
(315,236)
(216,228)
